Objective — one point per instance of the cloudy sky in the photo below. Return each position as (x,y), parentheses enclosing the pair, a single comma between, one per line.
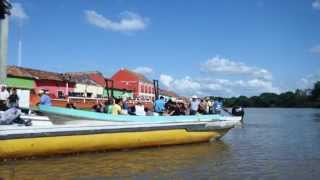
(206,47)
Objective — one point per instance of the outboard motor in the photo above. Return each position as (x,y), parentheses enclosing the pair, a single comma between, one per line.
(238,111)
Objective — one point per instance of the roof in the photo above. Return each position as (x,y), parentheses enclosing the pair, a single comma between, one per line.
(81,78)
(18,72)
(139,76)
(34,73)
(168,93)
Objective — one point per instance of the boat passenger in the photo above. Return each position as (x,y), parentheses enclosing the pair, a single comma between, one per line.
(116,108)
(202,107)
(44,98)
(125,106)
(171,108)
(13,99)
(132,110)
(98,107)
(4,95)
(148,111)
(108,106)
(159,106)
(194,105)
(209,105)
(139,107)
(179,110)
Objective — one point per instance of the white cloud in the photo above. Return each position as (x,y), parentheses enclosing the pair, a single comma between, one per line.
(128,22)
(217,87)
(144,70)
(183,86)
(218,65)
(166,80)
(262,85)
(310,80)
(246,80)
(315,49)
(316,4)
(18,12)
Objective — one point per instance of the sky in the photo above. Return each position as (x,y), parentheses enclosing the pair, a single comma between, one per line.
(208,47)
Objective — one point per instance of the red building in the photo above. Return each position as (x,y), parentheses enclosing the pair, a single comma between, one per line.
(97,77)
(137,83)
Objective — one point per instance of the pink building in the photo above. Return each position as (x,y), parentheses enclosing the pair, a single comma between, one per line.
(58,85)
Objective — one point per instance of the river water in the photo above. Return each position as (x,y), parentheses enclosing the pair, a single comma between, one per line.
(272,144)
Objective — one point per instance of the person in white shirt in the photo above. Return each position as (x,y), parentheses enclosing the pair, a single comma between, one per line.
(4,95)
(140,109)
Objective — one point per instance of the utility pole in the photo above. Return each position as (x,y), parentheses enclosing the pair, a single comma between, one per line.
(5,7)
(20,42)
(4,27)
(156,89)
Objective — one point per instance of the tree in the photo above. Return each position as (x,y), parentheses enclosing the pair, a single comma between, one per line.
(5,7)
(315,93)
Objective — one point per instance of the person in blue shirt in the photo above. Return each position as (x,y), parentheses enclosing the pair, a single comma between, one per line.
(44,98)
(159,105)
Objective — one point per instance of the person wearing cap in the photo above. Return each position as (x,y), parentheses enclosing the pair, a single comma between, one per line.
(4,95)
(194,105)
(44,98)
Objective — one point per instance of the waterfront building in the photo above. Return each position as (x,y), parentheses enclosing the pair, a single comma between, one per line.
(56,84)
(141,87)
(22,81)
(88,84)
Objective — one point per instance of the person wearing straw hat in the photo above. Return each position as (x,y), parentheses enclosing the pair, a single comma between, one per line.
(194,105)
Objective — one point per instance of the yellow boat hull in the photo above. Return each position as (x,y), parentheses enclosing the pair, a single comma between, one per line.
(43,146)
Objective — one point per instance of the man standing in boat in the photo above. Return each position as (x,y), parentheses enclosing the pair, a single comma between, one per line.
(194,105)
(159,106)
(44,98)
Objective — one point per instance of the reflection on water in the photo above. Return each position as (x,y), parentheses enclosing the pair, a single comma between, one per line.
(273,144)
(317,117)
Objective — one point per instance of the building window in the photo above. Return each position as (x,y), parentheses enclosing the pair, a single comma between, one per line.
(142,88)
(60,95)
(145,89)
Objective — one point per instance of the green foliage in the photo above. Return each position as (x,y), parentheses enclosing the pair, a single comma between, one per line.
(316,91)
(299,98)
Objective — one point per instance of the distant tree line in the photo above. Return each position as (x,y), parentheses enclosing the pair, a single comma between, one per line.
(299,98)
